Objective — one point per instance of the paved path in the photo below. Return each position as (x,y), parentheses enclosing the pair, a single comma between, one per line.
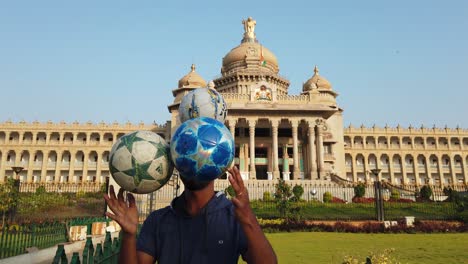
(45,256)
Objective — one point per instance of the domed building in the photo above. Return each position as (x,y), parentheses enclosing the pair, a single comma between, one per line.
(277,135)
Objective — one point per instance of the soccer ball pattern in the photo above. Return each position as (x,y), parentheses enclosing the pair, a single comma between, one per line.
(202,102)
(140,162)
(202,149)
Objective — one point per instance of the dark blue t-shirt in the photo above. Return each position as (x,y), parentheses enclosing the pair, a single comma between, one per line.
(212,236)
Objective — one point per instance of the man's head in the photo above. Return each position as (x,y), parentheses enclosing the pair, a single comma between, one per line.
(193,185)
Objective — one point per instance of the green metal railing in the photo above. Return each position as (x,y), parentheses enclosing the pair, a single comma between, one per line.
(15,239)
(106,253)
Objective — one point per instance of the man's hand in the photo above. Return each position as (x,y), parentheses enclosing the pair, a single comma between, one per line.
(241,202)
(124,214)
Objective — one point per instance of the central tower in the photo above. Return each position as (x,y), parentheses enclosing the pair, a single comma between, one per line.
(250,66)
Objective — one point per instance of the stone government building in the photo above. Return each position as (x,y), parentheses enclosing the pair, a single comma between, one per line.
(277,135)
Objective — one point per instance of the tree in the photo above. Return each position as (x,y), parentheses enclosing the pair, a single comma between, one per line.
(9,195)
(298,191)
(285,201)
(359,190)
(425,193)
(282,195)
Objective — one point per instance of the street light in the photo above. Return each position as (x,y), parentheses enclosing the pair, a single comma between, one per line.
(16,184)
(17,170)
(376,172)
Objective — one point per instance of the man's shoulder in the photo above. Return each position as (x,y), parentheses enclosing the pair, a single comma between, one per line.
(157,214)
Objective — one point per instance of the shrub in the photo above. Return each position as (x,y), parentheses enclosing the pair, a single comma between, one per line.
(337,200)
(363,200)
(453,195)
(266,196)
(229,191)
(359,190)
(327,197)
(395,195)
(80,194)
(40,190)
(298,191)
(425,193)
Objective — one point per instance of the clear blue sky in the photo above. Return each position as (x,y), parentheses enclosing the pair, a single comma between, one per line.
(398,62)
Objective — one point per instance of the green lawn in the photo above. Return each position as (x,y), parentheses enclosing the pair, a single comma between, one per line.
(317,247)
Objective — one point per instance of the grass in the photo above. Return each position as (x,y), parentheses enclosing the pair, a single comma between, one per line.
(317,247)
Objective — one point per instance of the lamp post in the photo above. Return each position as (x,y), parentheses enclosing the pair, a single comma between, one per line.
(376,173)
(16,183)
(17,170)
(378,196)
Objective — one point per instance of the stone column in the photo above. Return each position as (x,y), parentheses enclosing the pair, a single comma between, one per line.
(312,152)
(274,130)
(98,168)
(354,169)
(85,165)
(320,158)
(416,171)
(71,171)
(390,170)
(404,174)
(439,170)
(47,137)
(232,127)
(242,160)
(286,172)
(252,173)
(30,168)
(365,165)
(45,156)
(452,170)
(296,172)
(58,166)
(2,166)
(428,170)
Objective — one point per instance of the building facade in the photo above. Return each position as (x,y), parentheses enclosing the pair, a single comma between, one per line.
(277,135)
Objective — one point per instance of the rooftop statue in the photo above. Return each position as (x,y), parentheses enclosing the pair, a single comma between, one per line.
(249,27)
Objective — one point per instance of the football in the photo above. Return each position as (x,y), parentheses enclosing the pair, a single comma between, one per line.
(202,149)
(203,102)
(140,162)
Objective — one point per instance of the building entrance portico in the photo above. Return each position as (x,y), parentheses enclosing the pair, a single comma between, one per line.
(282,145)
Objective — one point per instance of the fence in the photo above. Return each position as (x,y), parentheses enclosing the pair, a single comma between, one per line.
(61,187)
(15,239)
(342,207)
(106,253)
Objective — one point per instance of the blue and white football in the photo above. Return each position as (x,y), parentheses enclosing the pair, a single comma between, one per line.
(202,149)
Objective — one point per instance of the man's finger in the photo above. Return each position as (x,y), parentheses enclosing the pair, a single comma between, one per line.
(131,200)
(112,192)
(239,179)
(111,216)
(120,196)
(234,183)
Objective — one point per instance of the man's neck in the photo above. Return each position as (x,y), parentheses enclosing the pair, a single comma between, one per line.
(195,201)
